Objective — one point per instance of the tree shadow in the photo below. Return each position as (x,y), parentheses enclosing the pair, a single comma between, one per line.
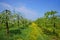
(15,32)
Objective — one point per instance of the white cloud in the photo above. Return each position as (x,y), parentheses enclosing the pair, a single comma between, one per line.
(28,13)
(6,6)
(31,14)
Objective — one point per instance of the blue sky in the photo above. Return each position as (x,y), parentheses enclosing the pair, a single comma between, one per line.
(31,9)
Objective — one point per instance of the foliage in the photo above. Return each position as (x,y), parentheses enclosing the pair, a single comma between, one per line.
(20,28)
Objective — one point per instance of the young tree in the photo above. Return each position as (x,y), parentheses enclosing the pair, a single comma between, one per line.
(5,19)
(51,15)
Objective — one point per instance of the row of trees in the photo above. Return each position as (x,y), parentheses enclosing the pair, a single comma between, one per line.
(49,25)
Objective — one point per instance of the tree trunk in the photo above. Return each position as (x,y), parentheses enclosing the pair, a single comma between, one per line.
(7,28)
(7,23)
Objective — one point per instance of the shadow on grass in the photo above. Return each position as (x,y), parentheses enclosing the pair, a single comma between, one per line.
(16,31)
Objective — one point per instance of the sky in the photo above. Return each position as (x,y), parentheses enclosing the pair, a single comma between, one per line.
(31,9)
